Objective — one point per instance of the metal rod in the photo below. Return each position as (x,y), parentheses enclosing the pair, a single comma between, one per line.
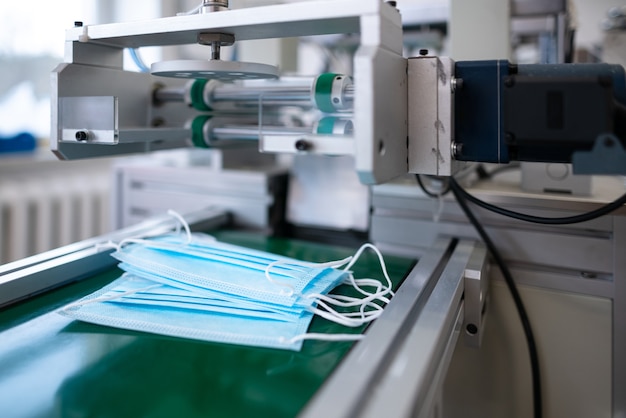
(216,47)
(274,94)
(236,93)
(169,94)
(251,133)
(246,95)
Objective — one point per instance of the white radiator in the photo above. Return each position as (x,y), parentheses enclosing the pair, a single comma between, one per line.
(42,210)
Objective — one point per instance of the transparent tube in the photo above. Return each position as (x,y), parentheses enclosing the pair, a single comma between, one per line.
(300,92)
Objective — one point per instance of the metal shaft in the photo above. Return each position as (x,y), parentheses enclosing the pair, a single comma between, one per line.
(169,94)
(242,132)
(246,95)
(216,48)
(250,96)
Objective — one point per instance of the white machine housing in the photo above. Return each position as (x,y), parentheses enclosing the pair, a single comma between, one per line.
(92,82)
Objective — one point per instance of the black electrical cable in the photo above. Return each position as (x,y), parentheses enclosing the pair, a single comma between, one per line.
(519,305)
(427,192)
(584,217)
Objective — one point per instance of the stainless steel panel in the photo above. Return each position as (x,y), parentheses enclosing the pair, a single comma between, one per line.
(582,253)
(399,367)
(619,319)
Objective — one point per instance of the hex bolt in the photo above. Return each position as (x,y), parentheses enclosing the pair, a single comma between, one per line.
(509,138)
(471,329)
(303,145)
(457,150)
(158,121)
(456,84)
(82,135)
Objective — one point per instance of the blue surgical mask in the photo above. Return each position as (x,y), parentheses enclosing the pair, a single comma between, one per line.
(131,289)
(231,272)
(193,286)
(176,320)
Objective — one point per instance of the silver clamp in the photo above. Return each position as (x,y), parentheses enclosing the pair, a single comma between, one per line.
(476,295)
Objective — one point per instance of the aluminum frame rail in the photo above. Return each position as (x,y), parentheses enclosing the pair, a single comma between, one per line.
(24,278)
(398,369)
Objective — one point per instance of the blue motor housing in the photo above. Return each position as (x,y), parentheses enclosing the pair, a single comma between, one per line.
(505,112)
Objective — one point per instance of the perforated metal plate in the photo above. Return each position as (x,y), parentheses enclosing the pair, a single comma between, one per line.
(214,69)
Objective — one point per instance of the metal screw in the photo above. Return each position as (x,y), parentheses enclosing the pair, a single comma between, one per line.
(456,83)
(303,145)
(82,136)
(457,149)
(158,121)
(509,82)
(509,138)
(471,329)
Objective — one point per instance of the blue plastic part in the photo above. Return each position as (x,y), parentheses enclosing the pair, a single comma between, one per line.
(478,111)
(19,143)
(607,157)
(479,121)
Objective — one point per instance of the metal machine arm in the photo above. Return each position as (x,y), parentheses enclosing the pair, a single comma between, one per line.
(424,115)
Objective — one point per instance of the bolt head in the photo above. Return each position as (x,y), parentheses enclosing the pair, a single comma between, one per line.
(302,145)
(81,136)
(224,39)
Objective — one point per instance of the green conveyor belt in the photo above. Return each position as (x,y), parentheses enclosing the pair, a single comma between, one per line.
(51,366)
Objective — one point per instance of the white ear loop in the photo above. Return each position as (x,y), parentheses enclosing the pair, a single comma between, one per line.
(368,309)
(381,260)
(347,319)
(183,222)
(140,240)
(323,337)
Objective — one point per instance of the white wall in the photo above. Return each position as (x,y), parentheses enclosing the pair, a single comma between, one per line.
(589,15)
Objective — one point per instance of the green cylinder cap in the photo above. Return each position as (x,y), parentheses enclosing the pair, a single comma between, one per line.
(326,125)
(323,92)
(197,131)
(197,95)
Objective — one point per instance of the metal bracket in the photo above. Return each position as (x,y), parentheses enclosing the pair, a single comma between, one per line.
(431,116)
(607,157)
(476,295)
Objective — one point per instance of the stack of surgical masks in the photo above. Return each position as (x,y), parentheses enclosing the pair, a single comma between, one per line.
(193,286)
